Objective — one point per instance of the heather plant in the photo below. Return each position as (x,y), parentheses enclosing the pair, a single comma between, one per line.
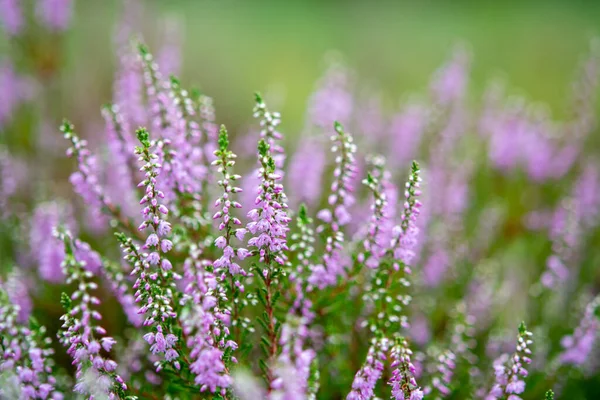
(336,268)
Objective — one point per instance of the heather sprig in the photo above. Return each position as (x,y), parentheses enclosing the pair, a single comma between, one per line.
(403,382)
(578,347)
(371,371)
(441,375)
(226,269)
(83,338)
(269,227)
(206,324)
(337,215)
(86,181)
(155,278)
(510,372)
(25,352)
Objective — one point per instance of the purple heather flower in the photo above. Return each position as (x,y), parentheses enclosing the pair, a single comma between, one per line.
(332,100)
(86,181)
(450,83)
(337,215)
(13,176)
(226,203)
(17,289)
(205,324)
(406,132)
(129,89)
(442,374)
(403,382)
(14,91)
(306,170)
(586,194)
(55,14)
(154,276)
(45,249)
(269,220)
(169,56)
(511,372)
(369,374)
(11,16)
(120,183)
(579,346)
(24,354)
(79,332)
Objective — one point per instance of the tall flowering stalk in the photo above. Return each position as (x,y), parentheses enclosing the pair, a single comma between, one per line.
(371,371)
(80,334)
(385,296)
(207,315)
(25,353)
(269,227)
(579,346)
(510,373)
(205,324)
(443,371)
(155,278)
(86,181)
(296,365)
(226,269)
(169,123)
(337,215)
(209,132)
(403,383)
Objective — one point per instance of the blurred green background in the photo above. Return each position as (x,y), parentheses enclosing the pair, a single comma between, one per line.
(232,48)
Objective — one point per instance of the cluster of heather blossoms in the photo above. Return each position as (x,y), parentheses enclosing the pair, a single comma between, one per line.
(511,370)
(271,272)
(83,338)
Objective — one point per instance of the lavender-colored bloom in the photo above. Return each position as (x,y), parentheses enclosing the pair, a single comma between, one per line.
(80,334)
(406,132)
(155,279)
(565,234)
(442,374)
(122,162)
(579,346)
(17,289)
(14,91)
(306,170)
(13,174)
(269,220)
(25,354)
(129,88)
(450,83)
(586,194)
(226,263)
(170,116)
(85,181)
(369,374)
(332,100)
(337,215)
(55,14)
(169,56)
(122,291)
(511,372)
(377,238)
(436,266)
(45,249)
(11,16)
(403,382)
(205,324)
(294,365)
